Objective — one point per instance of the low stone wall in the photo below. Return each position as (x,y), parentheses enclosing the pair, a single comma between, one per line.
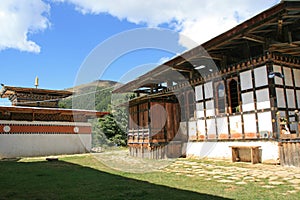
(26,139)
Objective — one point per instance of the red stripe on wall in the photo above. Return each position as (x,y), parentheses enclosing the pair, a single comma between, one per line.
(47,129)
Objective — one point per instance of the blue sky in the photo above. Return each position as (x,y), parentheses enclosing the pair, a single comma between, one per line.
(52,38)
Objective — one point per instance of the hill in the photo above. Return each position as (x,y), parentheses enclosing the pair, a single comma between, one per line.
(91,96)
(92,85)
(109,130)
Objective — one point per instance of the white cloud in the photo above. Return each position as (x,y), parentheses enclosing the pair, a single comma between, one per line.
(19,19)
(163,60)
(198,20)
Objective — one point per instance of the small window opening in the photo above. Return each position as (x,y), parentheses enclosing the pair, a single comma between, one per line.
(234,96)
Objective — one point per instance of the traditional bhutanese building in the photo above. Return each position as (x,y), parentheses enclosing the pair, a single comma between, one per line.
(232,97)
(35,126)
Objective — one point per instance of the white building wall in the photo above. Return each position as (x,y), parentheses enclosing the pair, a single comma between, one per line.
(246,80)
(263,99)
(222,150)
(72,138)
(261,76)
(27,145)
(278,80)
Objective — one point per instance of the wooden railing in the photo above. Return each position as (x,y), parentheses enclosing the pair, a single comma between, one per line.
(138,136)
(290,153)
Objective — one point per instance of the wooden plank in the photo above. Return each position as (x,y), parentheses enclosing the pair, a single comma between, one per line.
(290,152)
(284,161)
(255,155)
(234,154)
(245,147)
(287,153)
(293,150)
(281,154)
(297,154)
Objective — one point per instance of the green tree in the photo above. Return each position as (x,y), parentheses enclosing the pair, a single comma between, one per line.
(113,130)
(110,129)
(99,139)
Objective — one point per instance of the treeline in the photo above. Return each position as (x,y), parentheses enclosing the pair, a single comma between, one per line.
(109,130)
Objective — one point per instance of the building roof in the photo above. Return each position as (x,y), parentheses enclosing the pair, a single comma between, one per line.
(7,91)
(32,111)
(275,30)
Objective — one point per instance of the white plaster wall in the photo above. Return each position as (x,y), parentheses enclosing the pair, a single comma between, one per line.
(297,77)
(290,98)
(211,126)
(288,76)
(199,110)
(235,124)
(208,90)
(278,80)
(210,108)
(298,98)
(248,101)
(201,127)
(265,122)
(246,80)
(199,93)
(222,125)
(22,145)
(192,128)
(263,99)
(249,123)
(280,98)
(222,150)
(261,77)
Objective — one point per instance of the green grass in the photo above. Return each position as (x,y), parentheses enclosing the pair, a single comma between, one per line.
(84,177)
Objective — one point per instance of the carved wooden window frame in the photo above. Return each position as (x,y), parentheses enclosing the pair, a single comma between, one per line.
(230,98)
(218,100)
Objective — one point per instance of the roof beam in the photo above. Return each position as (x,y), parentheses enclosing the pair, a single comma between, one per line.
(254,38)
(290,16)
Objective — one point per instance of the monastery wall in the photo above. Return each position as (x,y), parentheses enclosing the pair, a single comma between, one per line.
(21,138)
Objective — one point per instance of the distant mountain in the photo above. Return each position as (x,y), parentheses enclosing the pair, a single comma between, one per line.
(90,96)
(92,85)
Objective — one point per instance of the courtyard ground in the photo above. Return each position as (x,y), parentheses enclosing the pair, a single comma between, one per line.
(116,175)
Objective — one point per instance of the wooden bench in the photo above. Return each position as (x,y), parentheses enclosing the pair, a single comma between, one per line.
(52,159)
(254,155)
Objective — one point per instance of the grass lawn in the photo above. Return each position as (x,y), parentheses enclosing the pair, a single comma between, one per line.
(85,177)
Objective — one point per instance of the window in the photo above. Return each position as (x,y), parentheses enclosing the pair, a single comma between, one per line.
(220,98)
(182,108)
(187,104)
(191,104)
(234,96)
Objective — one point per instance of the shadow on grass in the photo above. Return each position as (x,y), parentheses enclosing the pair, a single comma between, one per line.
(63,180)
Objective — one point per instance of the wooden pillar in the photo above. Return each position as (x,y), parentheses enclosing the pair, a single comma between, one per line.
(278,125)
(297,122)
(254,155)
(273,102)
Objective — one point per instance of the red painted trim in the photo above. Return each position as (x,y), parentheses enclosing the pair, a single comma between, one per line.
(46,129)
